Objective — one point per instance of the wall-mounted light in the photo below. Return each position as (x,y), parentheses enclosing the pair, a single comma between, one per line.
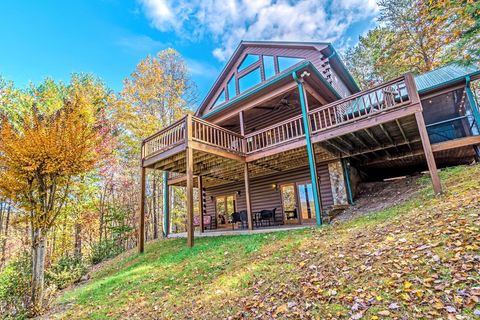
(211,198)
(238,193)
(274,186)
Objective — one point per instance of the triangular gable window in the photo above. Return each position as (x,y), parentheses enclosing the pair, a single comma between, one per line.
(286,62)
(248,61)
(232,92)
(249,80)
(220,99)
(269,66)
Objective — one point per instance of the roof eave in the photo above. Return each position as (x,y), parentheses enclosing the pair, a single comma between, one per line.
(350,78)
(474,76)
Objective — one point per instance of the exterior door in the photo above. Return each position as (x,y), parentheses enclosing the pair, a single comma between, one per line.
(289,203)
(305,199)
(224,207)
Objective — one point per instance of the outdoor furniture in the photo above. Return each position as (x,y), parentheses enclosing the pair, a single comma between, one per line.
(235,219)
(267,216)
(241,217)
(291,214)
(207,222)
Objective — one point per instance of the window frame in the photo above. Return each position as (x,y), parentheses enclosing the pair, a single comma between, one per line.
(237,75)
(255,85)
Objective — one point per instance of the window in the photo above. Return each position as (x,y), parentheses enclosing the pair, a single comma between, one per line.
(220,99)
(248,61)
(249,80)
(232,92)
(268,66)
(284,63)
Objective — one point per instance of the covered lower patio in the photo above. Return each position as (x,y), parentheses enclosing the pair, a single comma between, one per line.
(231,232)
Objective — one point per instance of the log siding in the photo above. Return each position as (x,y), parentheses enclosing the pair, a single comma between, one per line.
(264,196)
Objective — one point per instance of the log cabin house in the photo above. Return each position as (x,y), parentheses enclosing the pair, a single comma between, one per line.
(285,134)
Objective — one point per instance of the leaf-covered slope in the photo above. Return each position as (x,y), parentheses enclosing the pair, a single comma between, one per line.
(419,259)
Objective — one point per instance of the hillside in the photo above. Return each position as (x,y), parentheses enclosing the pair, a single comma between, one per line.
(419,259)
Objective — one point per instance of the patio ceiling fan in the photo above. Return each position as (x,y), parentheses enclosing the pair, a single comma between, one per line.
(285,103)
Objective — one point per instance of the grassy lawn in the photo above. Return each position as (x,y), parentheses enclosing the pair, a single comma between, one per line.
(418,259)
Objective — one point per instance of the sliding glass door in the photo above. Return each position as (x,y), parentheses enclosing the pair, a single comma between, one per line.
(225,206)
(297,202)
(305,199)
(289,203)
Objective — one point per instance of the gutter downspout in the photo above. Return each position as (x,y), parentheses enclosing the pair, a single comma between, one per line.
(471,101)
(311,156)
(476,112)
(166,205)
(346,173)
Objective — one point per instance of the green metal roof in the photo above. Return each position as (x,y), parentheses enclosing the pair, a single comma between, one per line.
(443,76)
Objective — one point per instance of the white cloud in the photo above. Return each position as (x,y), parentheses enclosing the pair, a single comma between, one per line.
(229,21)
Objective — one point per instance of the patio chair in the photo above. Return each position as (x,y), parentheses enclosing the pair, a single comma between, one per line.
(243,218)
(291,214)
(274,218)
(207,222)
(235,219)
(389,97)
(268,216)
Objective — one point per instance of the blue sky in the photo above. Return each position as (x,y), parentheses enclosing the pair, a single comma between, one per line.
(109,37)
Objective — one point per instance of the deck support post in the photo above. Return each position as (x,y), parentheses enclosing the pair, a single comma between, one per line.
(200,204)
(247,197)
(166,205)
(189,175)
(245,174)
(310,148)
(141,231)
(427,149)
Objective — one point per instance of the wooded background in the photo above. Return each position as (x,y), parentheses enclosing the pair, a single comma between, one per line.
(67,203)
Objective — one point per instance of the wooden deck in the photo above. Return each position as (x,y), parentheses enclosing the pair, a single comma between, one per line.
(376,119)
(375,125)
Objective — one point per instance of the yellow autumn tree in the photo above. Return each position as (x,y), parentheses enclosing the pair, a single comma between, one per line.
(157,93)
(58,138)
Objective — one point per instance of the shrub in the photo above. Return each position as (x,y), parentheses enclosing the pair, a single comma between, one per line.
(65,272)
(15,289)
(105,250)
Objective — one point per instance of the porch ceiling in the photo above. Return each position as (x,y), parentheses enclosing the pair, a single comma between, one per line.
(216,170)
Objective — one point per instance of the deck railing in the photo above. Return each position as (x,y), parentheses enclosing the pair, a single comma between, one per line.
(272,136)
(202,131)
(389,95)
(211,134)
(165,139)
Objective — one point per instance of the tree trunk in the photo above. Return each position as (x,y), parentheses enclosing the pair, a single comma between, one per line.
(38,270)
(78,241)
(4,242)
(154,207)
(101,219)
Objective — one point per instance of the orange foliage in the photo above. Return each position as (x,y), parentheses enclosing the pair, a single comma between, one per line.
(41,157)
